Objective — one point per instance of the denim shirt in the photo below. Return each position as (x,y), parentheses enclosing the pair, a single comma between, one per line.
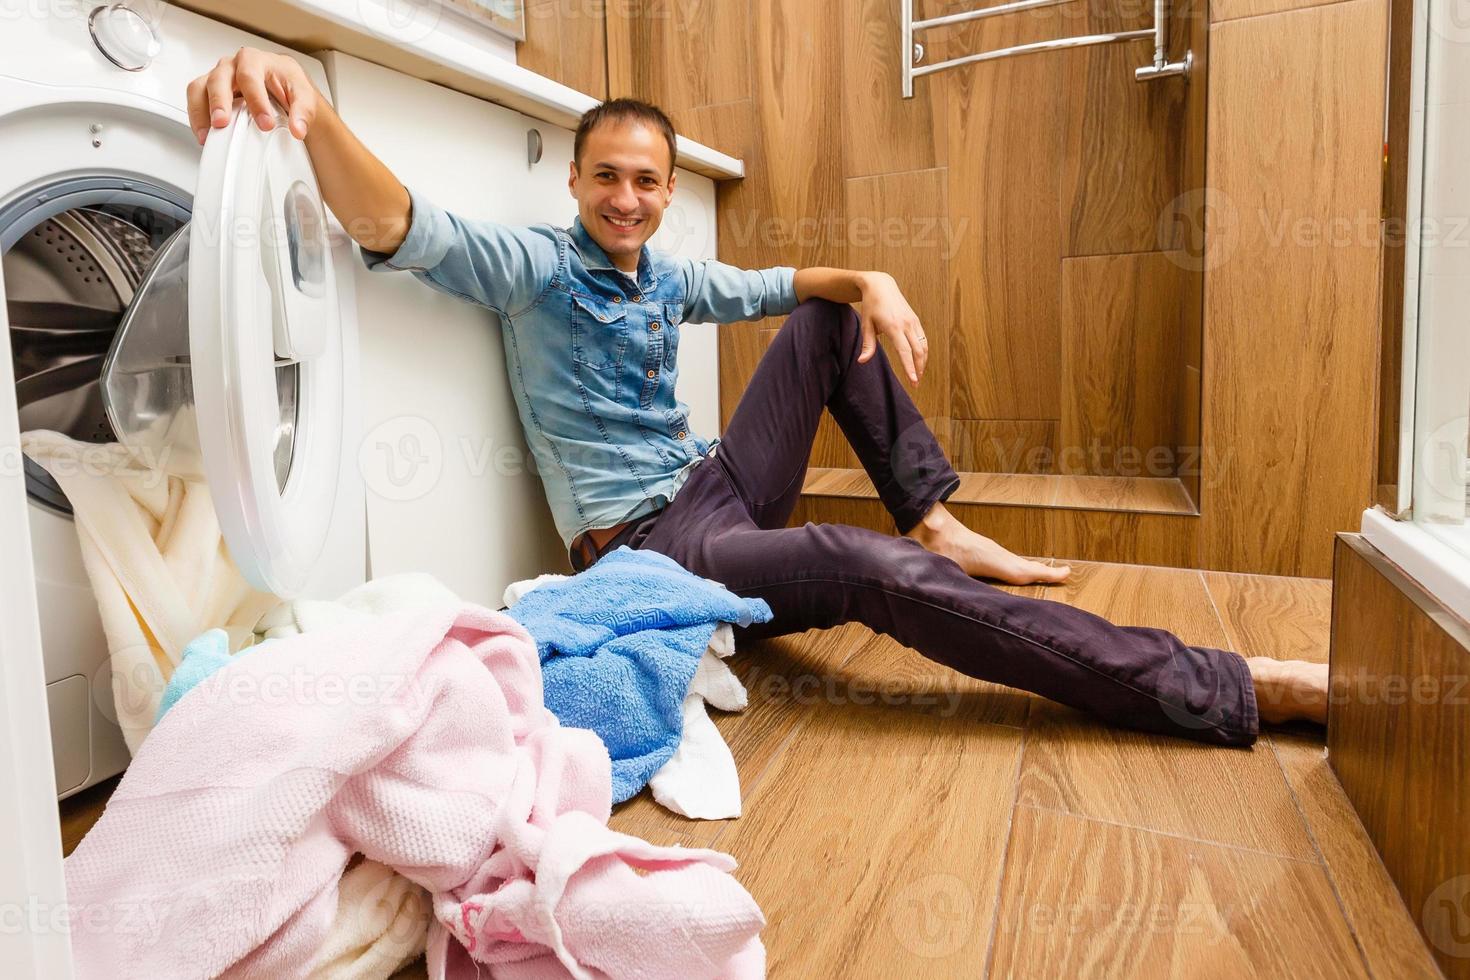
(591,352)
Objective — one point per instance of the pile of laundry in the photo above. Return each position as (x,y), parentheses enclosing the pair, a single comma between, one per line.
(347,785)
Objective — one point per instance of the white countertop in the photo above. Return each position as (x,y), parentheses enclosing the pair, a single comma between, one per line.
(436,43)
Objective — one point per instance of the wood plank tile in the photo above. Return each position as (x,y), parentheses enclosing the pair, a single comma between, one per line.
(889,674)
(1223,10)
(1150,539)
(897,815)
(1384,927)
(774,672)
(1078,765)
(1085,899)
(1004,445)
(583,37)
(900,223)
(1295,134)
(1274,616)
(682,55)
(1005,488)
(1128,493)
(1006,120)
(1122,147)
(883,132)
(541,50)
(975,488)
(1122,350)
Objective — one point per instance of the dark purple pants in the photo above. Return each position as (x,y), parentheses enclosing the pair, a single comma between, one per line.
(728,523)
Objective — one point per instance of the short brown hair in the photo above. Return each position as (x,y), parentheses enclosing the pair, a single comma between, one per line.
(626,111)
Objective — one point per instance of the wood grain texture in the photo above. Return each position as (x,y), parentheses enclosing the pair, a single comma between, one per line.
(1076,765)
(1224,10)
(1121,353)
(1274,616)
(1123,493)
(1017,510)
(681,55)
(771,670)
(566,43)
(1391,944)
(1291,315)
(1006,123)
(1399,735)
(860,779)
(900,223)
(882,133)
(1123,140)
(1148,539)
(1154,906)
(1026,446)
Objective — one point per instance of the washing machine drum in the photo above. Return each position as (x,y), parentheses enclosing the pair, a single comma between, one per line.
(228,366)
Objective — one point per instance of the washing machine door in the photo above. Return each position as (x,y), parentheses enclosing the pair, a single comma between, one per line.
(266,351)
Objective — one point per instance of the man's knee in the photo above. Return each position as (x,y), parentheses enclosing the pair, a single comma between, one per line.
(821,322)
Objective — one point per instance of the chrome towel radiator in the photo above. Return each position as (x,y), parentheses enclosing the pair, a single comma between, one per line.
(912,52)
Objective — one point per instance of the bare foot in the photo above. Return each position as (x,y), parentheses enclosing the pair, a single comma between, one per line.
(943,534)
(1289,690)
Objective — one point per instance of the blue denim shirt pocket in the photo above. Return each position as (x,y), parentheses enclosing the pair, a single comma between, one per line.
(673,322)
(599,333)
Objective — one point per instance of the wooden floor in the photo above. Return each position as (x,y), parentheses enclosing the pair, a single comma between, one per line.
(902,820)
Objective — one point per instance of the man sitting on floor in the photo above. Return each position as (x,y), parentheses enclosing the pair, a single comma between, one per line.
(591,319)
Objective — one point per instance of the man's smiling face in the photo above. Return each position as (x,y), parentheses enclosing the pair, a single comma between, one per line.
(622,183)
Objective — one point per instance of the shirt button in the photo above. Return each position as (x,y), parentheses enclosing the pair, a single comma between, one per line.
(653,325)
(638,298)
(682,434)
(653,374)
(617,299)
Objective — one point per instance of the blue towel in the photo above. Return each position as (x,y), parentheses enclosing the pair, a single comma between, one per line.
(619,644)
(206,653)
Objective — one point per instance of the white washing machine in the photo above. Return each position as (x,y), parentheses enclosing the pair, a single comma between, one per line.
(99,169)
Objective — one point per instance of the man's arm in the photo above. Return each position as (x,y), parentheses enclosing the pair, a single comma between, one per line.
(885,311)
(484,262)
(371,203)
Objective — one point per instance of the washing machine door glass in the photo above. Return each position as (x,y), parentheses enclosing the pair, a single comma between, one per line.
(266,350)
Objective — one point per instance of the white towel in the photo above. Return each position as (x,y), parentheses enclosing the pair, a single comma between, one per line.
(157,564)
(700,780)
(380,597)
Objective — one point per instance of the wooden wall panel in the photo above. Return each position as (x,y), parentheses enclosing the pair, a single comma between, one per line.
(1291,307)
(566,43)
(1121,350)
(1223,10)
(1399,734)
(680,55)
(1004,445)
(900,223)
(910,134)
(1122,142)
(1006,125)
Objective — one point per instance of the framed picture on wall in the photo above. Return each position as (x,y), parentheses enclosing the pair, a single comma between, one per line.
(506,16)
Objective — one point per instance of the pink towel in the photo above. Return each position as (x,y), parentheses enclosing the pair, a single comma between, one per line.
(421,741)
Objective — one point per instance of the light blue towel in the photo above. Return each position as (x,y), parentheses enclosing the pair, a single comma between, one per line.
(619,644)
(205,654)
